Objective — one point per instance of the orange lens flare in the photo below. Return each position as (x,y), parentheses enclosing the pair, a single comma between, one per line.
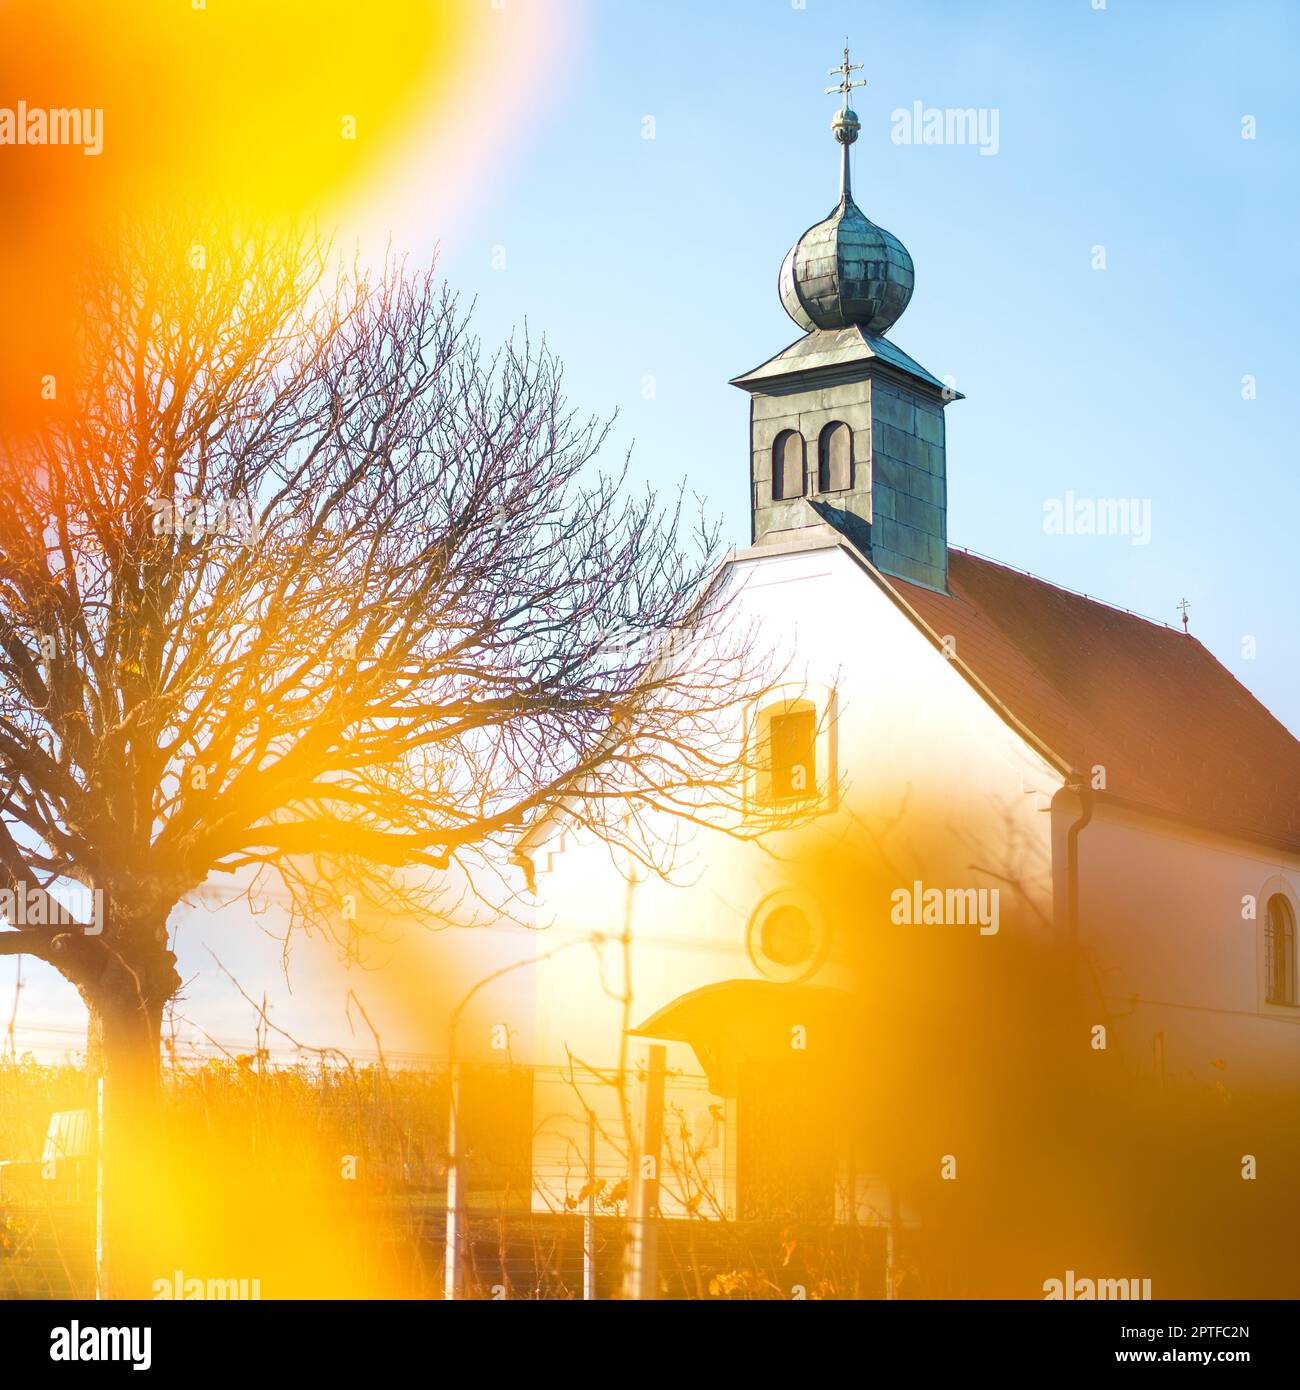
(267,110)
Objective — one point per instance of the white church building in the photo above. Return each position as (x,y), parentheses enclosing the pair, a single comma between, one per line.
(1001,758)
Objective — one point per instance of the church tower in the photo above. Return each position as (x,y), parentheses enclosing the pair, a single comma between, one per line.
(846,430)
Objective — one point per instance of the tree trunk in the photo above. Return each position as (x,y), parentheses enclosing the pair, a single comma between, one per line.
(123,1043)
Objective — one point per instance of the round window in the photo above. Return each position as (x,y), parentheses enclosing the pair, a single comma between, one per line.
(786,936)
(787,939)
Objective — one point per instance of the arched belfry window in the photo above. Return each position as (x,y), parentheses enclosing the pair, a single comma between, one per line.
(1279,952)
(787,466)
(835,458)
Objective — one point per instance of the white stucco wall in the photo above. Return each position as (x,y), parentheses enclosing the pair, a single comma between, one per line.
(1161,922)
(927,768)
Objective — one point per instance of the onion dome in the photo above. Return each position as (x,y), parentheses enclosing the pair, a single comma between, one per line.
(846,270)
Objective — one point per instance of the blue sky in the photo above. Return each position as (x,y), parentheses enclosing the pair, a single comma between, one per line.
(1122,128)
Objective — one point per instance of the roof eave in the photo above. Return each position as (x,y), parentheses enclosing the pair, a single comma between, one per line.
(850,354)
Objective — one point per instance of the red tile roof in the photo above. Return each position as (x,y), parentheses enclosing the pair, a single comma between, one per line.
(1175,731)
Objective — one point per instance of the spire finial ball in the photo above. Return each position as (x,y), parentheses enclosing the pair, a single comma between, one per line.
(845,125)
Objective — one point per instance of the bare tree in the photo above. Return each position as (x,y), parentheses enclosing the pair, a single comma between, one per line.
(296,579)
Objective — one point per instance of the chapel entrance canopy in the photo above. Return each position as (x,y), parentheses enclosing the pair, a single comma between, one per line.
(735,1024)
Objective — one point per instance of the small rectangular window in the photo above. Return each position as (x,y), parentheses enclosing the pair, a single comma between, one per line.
(793,741)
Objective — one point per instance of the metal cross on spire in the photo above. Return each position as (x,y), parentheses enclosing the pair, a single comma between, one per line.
(844,73)
(845,125)
(1183,606)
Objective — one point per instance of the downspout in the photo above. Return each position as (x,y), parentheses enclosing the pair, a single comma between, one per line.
(1079,785)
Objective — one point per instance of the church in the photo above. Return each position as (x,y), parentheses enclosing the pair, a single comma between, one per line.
(1033,836)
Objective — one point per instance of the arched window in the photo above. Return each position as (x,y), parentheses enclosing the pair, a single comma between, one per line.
(786,752)
(791,752)
(787,466)
(1279,952)
(835,458)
